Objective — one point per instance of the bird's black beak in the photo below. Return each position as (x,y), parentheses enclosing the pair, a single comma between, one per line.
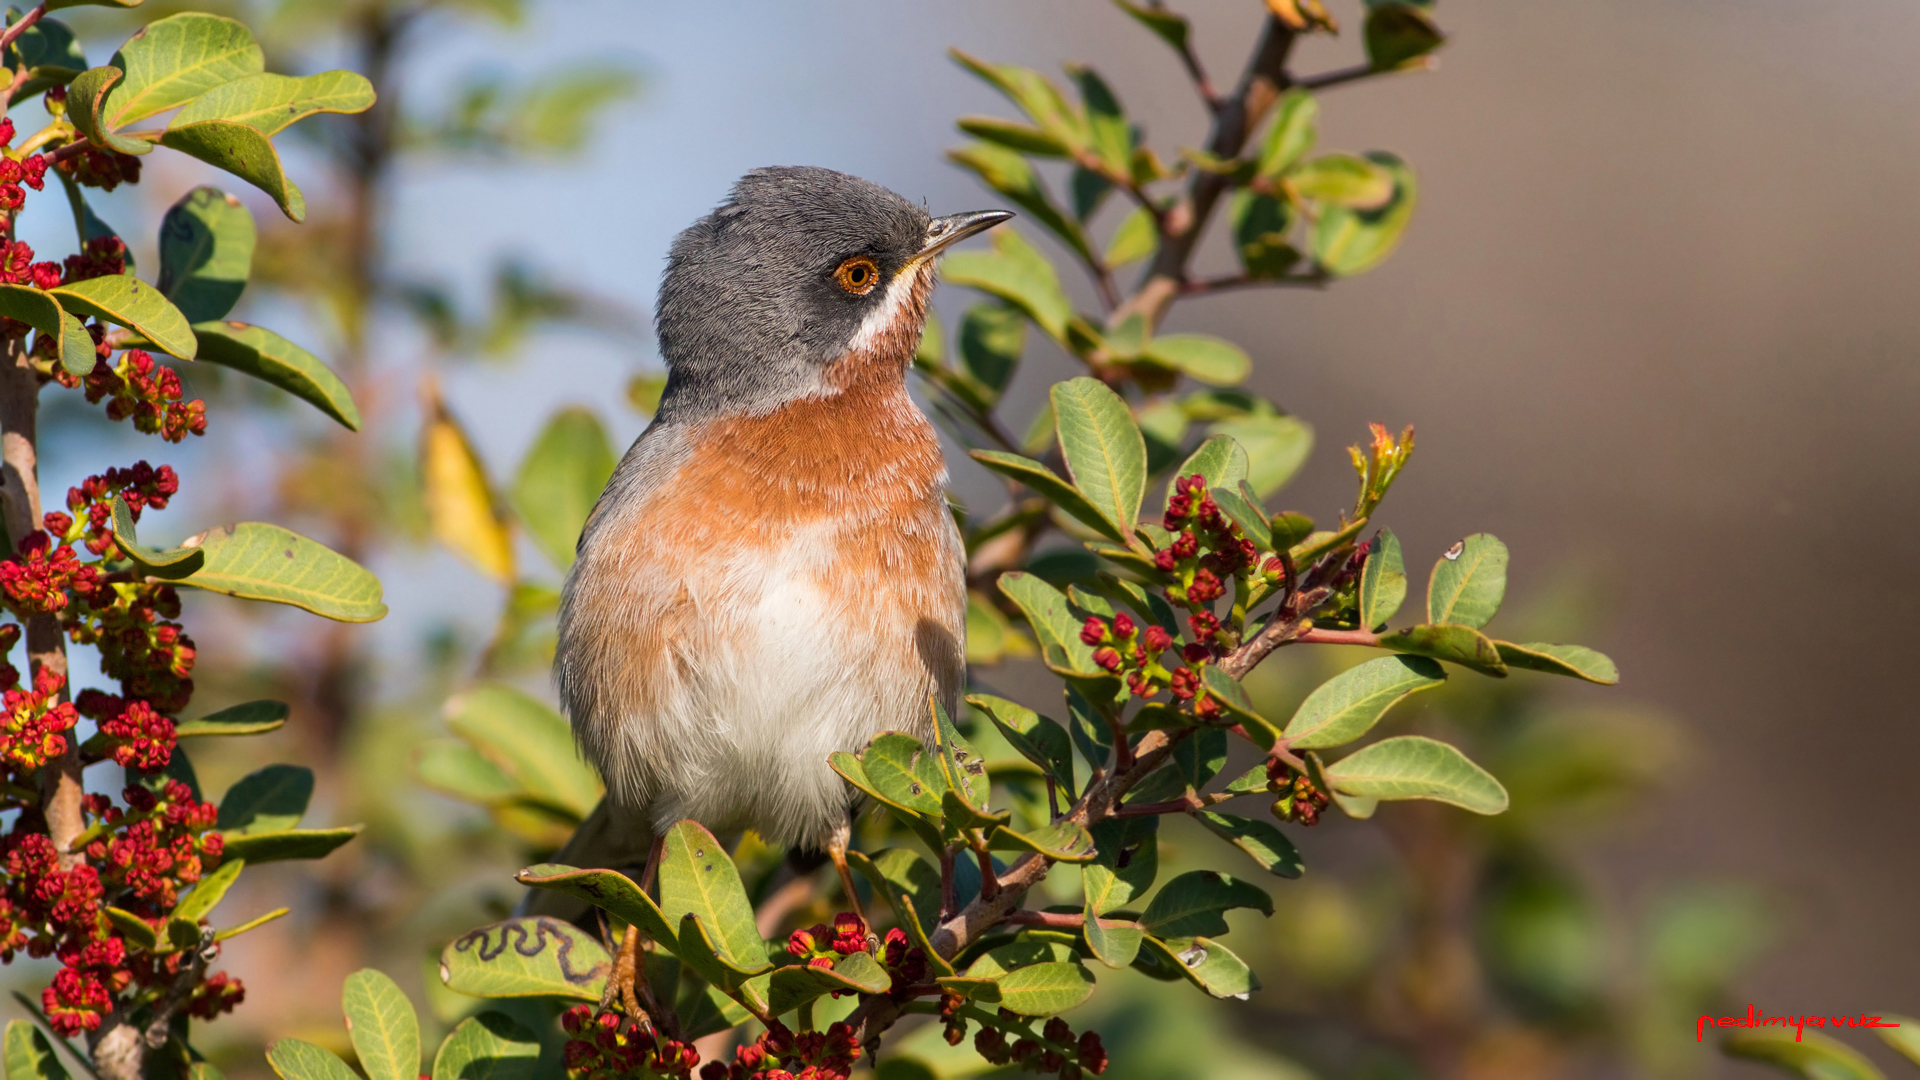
(944,232)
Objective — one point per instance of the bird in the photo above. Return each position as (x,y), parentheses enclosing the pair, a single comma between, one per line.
(773,572)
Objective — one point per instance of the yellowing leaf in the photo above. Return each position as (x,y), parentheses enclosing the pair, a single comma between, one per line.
(459,501)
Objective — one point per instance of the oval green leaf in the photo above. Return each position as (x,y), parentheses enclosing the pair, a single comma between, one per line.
(1207,359)
(530,742)
(1343,180)
(266,847)
(1808,1054)
(697,878)
(296,1059)
(127,301)
(29,1056)
(255,561)
(1261,840)
(44,313)
(1347,706)
(1416,767)
(1276,447)
(171,61)
(268,103)
(380,1021)
(1461,645)
(491,1046)
(1468,582)
(1104,449)
(1575,661)
(244,152)
(1196,903)
(1049,486)
(1016,272)
(528,957)
(1045,989)
(1383,581)
(272,799)
(206,253)
(560,480)
(1347,242)
(250,718)
(1206,964)
(274,360)
(209,892)
(609,890)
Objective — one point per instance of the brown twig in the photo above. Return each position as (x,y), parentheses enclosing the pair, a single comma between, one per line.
(72,149)
(1338,76)
(1260,86)
(20,27)
(1337,637)
(1317,280)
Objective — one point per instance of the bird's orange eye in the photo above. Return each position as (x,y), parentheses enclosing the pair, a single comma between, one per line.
(857,275)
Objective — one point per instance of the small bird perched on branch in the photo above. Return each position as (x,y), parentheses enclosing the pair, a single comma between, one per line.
(772,573)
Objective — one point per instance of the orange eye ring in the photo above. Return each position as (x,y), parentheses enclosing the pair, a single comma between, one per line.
(857,275)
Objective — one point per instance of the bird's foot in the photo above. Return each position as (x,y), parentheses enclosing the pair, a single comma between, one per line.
(620,992)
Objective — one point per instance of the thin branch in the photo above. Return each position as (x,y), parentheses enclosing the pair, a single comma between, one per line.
(1339,76)
(1060,920)
(72,149)
(1175,806)
(1315,280)
(20,27)
(989,878)
(1337,637)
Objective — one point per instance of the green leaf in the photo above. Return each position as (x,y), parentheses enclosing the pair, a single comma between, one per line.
(1211,360)
(1227,690)
(1049,486)
(528,957)
(992,337)
(1113,946)
(904,773)
(1398,33)
(265,847)
(1220,461)
(1416,767)
(267,103)
(1104,449)
(1295,128)
(456,769)
(1343,180)
(1809,1054)
(1038,98)
(795,985)
(609,890)
(1576,661)
(1468,582)
(491,1046)
(255,561)
(1240,506)
(1014,136)
(1276,447)
(1262,226)
(251,718)
(1905,1038)
(1135,238)
(853,771)
(245,153)
(1109,135)
(44,313)
(1347,706)
(1038,739)
(1196,903)
(134,928)
(29,1055)
(1347,241)
(709,959)
(295,1059)
(1383,581)
(1461,645)
(208,893)
(50,54)
(912,887)
(172,565)
(1261,840)
(274,360)
(1054,626)
(527,740)
(1040,989)
(1062,841)
(206,253)
(1011,175)
(273,799)
(1206,964)
(697,878)
(560,480)
(171,61)
(1125,863)
(380,1021)
(1016,272)
(1166,25)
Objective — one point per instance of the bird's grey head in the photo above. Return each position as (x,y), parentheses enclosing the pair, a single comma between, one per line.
(766,292)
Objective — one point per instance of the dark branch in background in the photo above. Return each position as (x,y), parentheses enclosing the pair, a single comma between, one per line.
(22,26)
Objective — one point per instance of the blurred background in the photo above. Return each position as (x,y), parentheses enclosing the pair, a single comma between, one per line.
(1651,320)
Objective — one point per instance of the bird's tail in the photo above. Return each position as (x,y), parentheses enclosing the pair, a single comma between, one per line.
(607,840)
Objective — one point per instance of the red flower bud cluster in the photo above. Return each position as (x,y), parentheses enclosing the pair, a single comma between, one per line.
(140,487)
(609,1046)
(779,1054)
(35,728)
(819,944)
(1299,798)
(103,256)
(37,579)
(103,169)
(150,655)
(148,392)
(32,171)
(1207,549)
(136,736)
(16,258)
(1087,1055)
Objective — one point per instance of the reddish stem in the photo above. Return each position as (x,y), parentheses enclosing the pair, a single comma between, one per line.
(1317,636)
(20,27)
